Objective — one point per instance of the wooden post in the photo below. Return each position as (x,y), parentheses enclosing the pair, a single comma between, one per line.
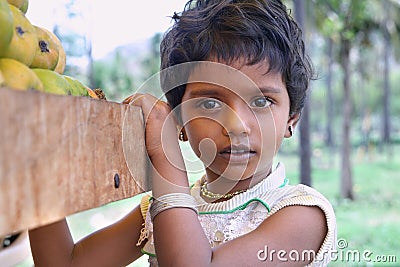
(63,154)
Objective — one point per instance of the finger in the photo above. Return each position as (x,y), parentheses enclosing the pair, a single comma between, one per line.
(146,102)
(131,98)
(127,100)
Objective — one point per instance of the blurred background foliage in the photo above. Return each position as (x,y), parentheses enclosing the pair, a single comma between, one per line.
(353,123)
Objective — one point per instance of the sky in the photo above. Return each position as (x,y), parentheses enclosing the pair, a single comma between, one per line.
(109,24)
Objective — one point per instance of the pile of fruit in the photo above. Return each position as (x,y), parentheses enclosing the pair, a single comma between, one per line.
(32,57)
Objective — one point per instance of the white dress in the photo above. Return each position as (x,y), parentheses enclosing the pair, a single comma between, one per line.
(227,220)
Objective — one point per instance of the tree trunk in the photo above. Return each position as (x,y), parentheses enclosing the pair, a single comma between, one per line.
(305,148)
(329,142)
(346,173)
(386,86)
(364,109)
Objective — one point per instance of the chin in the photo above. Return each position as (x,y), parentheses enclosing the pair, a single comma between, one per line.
(236,173)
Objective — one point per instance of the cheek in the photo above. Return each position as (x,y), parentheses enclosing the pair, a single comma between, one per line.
(271,134)
(268,138)
(201,134)
(279,135)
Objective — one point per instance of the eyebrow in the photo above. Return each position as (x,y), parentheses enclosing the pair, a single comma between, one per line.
(270,89)
(204,92)
(215,92)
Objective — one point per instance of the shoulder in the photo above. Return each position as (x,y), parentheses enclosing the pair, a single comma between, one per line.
(309,211)
(296,195)
(301,195)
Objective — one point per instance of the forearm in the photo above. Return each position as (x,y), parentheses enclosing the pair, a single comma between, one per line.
(114,245)
(168,171)
(173,227)
(52,245)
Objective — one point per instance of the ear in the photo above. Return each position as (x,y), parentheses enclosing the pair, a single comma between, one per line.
(291,124)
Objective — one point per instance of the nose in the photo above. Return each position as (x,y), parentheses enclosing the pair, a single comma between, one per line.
(237,121)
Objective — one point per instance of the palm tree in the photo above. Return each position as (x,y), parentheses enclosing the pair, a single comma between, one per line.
(390,27)
(345,21)
(305,147)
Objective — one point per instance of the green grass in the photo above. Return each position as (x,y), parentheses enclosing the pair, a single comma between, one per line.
(369,223)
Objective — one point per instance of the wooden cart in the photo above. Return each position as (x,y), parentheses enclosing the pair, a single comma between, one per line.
(60,155)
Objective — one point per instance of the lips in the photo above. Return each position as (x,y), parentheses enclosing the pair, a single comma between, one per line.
(237,153)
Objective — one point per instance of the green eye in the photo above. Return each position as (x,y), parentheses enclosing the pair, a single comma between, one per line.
(261,102)
(210,104)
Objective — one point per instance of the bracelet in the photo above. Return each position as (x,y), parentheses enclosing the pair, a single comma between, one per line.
(173,200)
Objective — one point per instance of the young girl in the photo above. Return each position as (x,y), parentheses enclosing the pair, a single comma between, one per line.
(235,76)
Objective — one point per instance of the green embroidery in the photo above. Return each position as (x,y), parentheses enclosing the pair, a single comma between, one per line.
(285,182)
(148,253)
(241,207)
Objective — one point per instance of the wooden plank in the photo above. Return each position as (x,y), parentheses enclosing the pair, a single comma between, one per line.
(59,155)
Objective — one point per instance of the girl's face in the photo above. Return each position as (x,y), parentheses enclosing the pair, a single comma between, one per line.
(235,118)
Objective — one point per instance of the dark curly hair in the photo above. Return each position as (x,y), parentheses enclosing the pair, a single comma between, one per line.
(228,30)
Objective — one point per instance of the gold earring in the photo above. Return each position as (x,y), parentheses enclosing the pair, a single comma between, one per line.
(181,136)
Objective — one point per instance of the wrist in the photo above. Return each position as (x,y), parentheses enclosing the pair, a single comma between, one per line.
(167,157)
(171,201)
(168,175)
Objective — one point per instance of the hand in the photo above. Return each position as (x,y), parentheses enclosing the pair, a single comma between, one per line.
(161,131)
(168,168)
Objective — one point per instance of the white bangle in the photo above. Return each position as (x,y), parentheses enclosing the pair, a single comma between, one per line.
(173,200)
